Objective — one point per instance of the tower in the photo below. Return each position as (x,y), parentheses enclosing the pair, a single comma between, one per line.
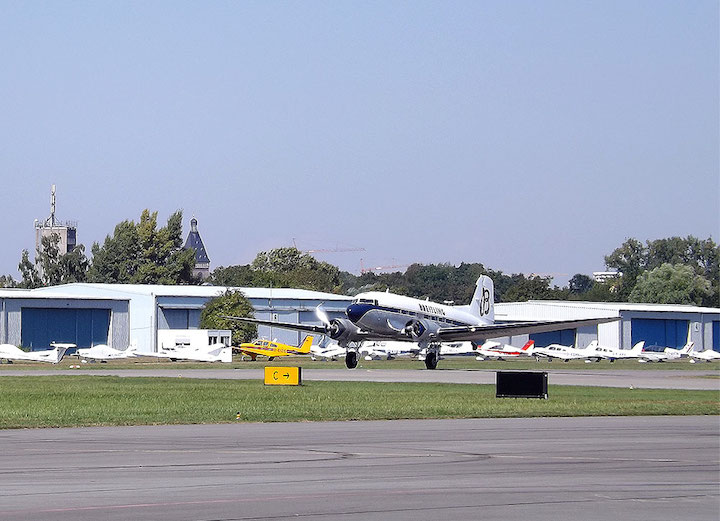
(67,232)
(202,261)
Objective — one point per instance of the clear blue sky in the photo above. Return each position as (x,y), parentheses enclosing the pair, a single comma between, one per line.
(526,135)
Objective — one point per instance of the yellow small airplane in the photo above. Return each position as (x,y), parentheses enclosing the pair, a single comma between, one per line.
(273,349)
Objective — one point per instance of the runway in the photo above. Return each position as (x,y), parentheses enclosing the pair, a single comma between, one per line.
(639,379)
(639,468)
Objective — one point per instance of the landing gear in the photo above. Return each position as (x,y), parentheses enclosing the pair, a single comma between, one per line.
(431,359)
(351,359)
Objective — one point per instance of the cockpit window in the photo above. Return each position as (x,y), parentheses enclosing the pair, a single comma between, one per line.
(366,301)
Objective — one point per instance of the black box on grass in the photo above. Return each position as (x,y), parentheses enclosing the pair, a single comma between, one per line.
(521,384)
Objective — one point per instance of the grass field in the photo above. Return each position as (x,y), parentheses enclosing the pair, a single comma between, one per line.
(464,362)
(68,401)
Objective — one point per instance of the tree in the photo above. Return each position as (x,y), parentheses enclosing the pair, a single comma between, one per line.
(30,276)
(533,288)
(672,284)
(231,303)
(580,284)
(6,281)
(54,268)
(291,268)
(143,254)
(631,260)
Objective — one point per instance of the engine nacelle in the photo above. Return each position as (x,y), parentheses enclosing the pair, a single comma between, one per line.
(419,330)
(343,331)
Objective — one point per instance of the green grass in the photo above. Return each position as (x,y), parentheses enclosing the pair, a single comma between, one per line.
(463,363)
(67,401)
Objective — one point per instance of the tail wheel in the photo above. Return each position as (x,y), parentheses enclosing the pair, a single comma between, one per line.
(351,359)
(431,360)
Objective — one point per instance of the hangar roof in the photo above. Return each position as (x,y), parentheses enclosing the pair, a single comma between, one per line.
(34,293)
(627,306)
(561,309)
(191,291)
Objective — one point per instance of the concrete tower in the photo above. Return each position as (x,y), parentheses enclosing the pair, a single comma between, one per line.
(67,231)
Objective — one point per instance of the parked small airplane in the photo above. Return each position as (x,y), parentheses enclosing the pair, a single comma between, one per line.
(274,349)
(387,316)
(704,356)
(211,353)
(667,354)
(387,349)
(103,352)
(10,352)
(327,349)
(565,353)
(612,354)
(492,350)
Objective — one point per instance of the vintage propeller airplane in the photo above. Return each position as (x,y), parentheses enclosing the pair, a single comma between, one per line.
(387,316)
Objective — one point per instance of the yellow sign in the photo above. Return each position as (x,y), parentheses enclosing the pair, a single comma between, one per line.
(283,376)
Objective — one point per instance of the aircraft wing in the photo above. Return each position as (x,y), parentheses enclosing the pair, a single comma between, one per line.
(308,328)
(479,333)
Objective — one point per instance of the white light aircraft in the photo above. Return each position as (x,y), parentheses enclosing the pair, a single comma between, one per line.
(565,353)
(387,316)
(104,352)
(326,350)
(704,356)
(10,352)
(665,355)
(212,353)
(492,350)
(612,354)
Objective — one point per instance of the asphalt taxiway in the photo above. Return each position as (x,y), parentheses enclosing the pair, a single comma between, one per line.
(639,379)
(639,468)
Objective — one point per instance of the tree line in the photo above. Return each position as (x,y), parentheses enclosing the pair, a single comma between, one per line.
(675,270)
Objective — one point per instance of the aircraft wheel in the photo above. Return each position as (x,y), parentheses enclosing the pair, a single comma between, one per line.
(431,360)
(351,359)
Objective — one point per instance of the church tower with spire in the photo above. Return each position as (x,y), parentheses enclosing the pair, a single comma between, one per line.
(202,261)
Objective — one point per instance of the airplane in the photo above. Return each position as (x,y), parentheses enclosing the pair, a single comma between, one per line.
(274,348)
(565,353)
(666,354)
(103,352)
(704,356)
(612,354)
(212,353)
(380,316)
(327,349)
(496,351)
(457,349)
(10,352)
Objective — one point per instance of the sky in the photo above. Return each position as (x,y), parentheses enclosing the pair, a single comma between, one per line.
(530,136)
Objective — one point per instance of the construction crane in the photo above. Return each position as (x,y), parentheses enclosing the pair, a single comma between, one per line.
(363,269)
(336,249)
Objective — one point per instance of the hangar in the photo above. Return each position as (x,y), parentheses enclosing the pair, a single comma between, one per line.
(151,308)
(124,314)
(668,325)
(32,319)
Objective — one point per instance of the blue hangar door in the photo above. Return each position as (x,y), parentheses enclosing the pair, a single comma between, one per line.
(565,337)
(716,336)
(660,332)
(82,327)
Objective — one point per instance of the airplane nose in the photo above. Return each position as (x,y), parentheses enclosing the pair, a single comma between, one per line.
(356,311)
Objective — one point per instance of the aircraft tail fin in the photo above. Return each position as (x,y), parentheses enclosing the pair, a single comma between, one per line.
(687,348)
(59,353)
(529,347)
(637,348)
(483,301)
(305,346)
